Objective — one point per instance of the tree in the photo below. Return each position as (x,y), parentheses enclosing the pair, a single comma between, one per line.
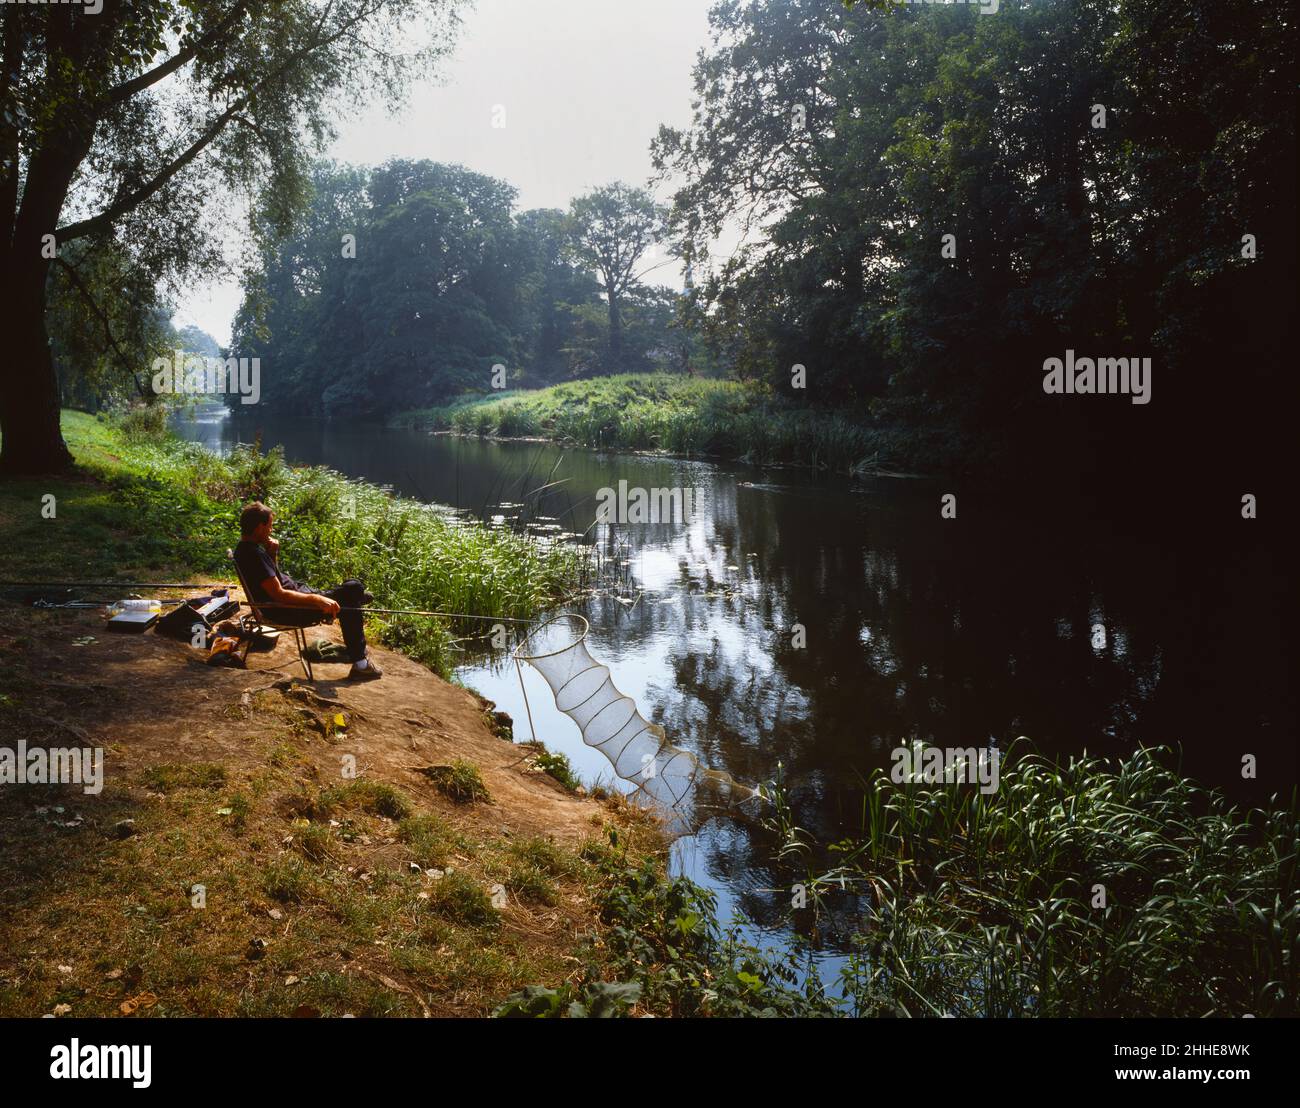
(939,201)
(439,283)
(556,288)
(611,229)
(121,129)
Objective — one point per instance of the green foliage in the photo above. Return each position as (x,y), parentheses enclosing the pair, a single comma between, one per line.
(670,956)
(447,283)
(611,228)
(855,136)
(459,781)
(143,423)
(177,504)
(556,765)
(588,1000)
(989,904)
(665,935)
(148,170)
(681,415)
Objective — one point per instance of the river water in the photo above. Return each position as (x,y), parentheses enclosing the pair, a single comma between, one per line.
(805,625)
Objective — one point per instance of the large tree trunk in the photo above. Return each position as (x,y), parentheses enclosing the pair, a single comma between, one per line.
(29,393)
(29,401)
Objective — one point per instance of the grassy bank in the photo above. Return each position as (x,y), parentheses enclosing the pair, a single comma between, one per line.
(226,869)
(680,415)
(321,899)
(145,505)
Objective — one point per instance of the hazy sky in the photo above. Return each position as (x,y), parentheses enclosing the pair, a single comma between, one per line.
(584,85)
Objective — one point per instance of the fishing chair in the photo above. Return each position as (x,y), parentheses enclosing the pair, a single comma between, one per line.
(257,624)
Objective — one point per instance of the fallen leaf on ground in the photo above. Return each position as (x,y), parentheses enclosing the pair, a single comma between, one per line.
(133,1004)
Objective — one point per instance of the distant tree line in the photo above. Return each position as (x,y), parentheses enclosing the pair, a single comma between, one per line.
(405,285)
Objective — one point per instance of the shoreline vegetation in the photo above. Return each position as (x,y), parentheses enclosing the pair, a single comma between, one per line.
(147,503)
(687,416)
(947,900)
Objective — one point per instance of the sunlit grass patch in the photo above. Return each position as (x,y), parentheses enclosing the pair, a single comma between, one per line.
(681,415)
(430,839)
(459,781)
(376,797)
(195,775)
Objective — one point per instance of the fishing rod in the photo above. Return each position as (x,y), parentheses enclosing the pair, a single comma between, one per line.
(158,585)
(102,585)
(447,615)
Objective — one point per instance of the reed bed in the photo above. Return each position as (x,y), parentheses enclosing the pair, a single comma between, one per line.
(1083,888)
(181,504)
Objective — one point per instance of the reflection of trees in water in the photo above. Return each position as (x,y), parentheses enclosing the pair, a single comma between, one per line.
(951,636)
(949,631)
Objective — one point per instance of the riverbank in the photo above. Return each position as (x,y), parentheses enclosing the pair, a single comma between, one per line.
(686,416)
(143,505)
(264,847)
(942,900)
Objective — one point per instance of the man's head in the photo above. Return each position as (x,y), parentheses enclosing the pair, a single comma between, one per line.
(255,522)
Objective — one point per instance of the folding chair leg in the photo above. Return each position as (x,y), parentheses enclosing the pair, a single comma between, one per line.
(301,636)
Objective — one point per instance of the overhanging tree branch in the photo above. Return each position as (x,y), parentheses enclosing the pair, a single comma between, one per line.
(80,286)
(127,89)
(104,220)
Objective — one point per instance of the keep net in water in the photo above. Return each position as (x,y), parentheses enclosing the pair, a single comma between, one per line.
(667,778)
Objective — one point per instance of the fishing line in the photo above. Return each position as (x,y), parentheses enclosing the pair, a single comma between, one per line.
(102,585)
(159,585)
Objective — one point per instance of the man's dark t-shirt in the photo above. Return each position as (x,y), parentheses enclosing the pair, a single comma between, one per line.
(255,565)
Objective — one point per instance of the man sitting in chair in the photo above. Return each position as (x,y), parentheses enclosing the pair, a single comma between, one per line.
(284,601)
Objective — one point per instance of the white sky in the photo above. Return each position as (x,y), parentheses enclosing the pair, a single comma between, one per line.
(585,85)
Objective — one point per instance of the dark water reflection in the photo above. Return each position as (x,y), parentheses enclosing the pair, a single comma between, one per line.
(1013,619)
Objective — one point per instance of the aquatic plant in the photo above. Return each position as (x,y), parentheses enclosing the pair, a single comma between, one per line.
(1076,888)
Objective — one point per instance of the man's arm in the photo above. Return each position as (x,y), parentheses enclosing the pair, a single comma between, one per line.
(278,596)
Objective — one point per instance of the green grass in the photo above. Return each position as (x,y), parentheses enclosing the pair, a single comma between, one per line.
(459,781)
(665,950)
(680,415)
(430,840)
(169,777)
(976,904)
(557,765)
(311,907)
(158,508)
(376,797)
(456,898)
